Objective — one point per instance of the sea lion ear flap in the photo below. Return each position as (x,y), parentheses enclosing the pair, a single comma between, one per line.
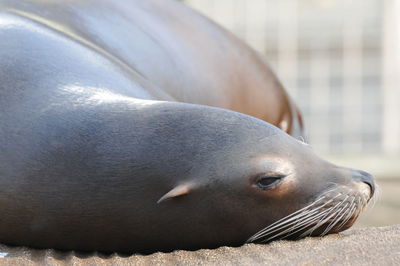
(177,191)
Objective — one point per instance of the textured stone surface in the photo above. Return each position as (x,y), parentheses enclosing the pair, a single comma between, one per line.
(364,246)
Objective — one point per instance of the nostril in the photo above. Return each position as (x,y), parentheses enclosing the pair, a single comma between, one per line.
(371,186)
(366,178)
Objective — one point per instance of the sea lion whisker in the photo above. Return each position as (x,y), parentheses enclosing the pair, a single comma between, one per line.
(351,212)
(338,210)
(314,225)
(284,224)
(349,215)
(336,219)
(305,217)
(358,207)
(279,224)
(376,195)
(332,210)
(361,205)
(374,198)
(300,224)
(312,216)
(300,227)
(292,226)
(328,191)
(290,218)
(333,220)
(344,221)
(334,215)
(346,209)
(320,222)
(350,203)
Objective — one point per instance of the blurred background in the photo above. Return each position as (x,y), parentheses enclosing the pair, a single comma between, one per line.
(340,62)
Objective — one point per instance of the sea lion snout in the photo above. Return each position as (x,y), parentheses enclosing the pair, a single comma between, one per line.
(362,176)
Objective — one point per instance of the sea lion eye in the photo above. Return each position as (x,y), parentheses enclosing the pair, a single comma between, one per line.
(266,182)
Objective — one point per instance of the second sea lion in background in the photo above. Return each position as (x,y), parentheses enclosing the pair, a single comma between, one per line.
(164,45)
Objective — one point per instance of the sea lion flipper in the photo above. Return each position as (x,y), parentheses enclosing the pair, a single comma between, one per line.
(177,191)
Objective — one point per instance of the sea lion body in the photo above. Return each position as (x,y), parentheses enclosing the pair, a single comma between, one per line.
(100,152)
(155,49)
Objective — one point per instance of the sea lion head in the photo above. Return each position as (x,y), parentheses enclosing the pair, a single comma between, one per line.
(256,183)
(313,197)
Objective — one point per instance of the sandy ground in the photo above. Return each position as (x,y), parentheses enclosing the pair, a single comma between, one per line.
(361,246)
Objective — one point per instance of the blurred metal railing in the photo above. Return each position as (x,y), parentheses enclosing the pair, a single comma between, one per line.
(340,60)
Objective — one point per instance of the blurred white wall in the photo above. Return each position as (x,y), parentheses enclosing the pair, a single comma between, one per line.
(391,71)
(340,61)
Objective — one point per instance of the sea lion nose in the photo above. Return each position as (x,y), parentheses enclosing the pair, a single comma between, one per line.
(366,178)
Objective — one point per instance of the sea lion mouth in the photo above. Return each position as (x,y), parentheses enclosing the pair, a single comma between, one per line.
(327,214)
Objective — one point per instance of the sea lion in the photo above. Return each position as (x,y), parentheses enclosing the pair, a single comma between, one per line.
(163,47)
(95,155)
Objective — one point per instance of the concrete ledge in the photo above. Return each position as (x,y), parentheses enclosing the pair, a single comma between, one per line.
(364,246)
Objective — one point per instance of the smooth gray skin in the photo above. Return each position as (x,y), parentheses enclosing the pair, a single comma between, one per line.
(86,151)
(148,49)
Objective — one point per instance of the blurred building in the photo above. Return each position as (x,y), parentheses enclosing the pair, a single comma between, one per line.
(339,60)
